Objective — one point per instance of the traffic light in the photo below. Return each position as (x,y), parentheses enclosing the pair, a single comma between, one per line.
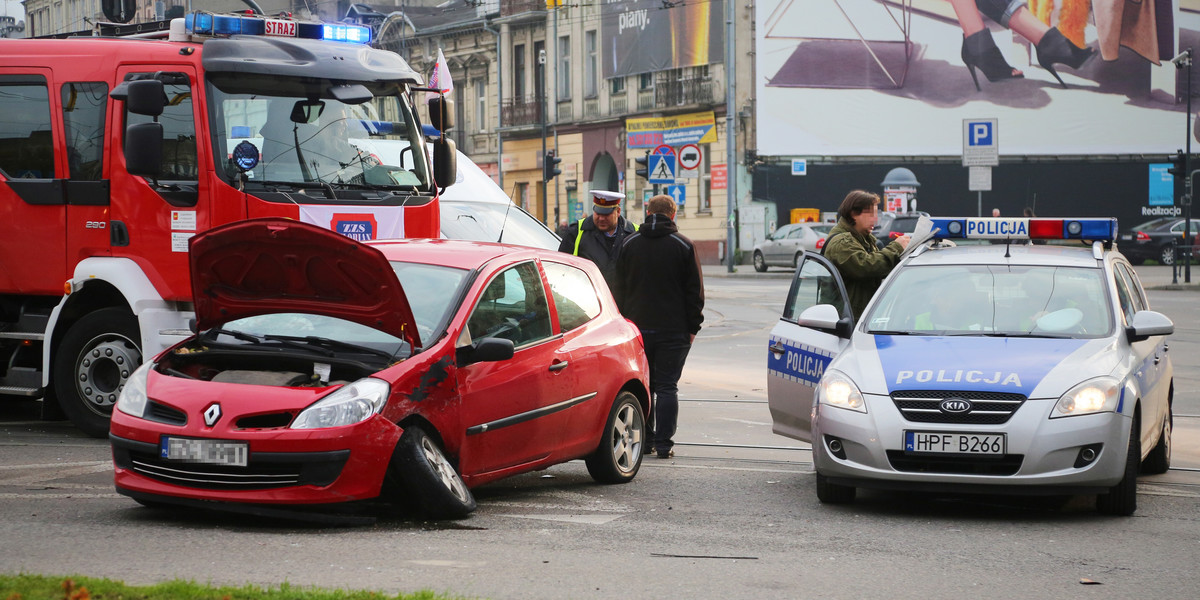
(643,166)
(1178,164)
(550,168)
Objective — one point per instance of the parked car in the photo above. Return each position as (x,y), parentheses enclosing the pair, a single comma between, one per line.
(892,225)
(785,245)
(1014,368)
(325,370)
(1157,240)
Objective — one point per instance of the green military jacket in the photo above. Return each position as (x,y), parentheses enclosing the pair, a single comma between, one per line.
(862,265)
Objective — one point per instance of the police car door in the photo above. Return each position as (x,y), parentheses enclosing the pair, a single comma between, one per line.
(814,328)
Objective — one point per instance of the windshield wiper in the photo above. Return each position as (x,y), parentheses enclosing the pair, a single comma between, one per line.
(240,335)
(891,332)
(328,345)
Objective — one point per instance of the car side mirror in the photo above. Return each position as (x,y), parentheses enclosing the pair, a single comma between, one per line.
(484,350)
(1147,324)
(825,317)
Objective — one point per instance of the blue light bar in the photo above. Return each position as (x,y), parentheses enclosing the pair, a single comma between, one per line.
(354,34)
(1001,228)
(209,24)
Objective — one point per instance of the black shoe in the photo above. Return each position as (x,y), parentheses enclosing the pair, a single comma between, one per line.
(665,453)
(979,51)
(1057,49)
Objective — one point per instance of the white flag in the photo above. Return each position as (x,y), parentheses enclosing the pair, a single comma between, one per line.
(440,79)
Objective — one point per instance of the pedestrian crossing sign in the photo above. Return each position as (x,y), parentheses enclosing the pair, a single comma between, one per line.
(661,168)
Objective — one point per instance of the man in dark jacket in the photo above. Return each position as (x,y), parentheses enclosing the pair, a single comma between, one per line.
(599,237)
(852,249)
(659,286)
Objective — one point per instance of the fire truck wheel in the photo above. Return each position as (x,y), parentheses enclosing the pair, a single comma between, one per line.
(95,359)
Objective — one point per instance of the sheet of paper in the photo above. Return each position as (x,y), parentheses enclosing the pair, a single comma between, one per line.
(921,233)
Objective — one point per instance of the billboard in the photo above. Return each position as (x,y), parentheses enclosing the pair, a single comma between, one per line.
(642,36)
(891,77)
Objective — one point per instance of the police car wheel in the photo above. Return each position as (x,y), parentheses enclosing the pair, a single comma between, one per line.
(760,263)
(619,455)
(96,357)
(1159,459)
(427,481)
(832,493)
(1121,499)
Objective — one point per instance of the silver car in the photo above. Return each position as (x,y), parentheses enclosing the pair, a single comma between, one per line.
(996,368)
(785,245)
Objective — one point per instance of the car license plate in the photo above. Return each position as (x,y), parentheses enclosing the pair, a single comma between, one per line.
(943,442)
(214,452)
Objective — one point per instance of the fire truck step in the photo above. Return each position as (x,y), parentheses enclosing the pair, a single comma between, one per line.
(12,390)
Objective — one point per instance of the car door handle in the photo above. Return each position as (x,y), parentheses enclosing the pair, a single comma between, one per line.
(1157,359)
(777,348)
(558,366)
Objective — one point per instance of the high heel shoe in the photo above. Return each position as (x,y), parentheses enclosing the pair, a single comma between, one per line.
(979,51)
(1057,49)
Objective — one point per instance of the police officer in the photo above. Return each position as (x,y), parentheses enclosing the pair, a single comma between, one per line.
(599,237)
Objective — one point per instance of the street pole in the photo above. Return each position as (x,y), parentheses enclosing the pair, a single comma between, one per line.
(730,143)
(554,225)
(1187,178)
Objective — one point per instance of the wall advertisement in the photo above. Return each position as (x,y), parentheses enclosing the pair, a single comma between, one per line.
(641,36)
(891,77)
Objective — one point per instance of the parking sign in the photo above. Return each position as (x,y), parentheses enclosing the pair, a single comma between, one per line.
(981,147)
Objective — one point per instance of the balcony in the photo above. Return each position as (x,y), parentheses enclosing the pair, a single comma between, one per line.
(521,111)
(591,108)
(618,105)
(516,7)
(671,90)
(566,111)
(645,99)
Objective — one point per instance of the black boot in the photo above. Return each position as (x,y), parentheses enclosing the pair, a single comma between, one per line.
(1057,49)
(980,51)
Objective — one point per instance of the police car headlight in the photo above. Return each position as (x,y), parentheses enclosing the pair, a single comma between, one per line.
(352,403)
(133,399)
(1092,396)
(838,390)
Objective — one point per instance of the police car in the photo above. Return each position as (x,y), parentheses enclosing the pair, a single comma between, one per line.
(997,368)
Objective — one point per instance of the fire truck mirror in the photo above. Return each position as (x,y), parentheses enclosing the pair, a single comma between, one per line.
(445,162)
(145,97)
(119,11)
(307,111)
(351,94)
(441,113)
(143,149)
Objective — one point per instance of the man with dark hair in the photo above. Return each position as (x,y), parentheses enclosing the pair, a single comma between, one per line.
(659,286)
(852,249)
(599,237)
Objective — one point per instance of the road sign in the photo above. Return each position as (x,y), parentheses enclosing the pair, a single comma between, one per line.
(678,192)
(981,147)
(661,168)
(799,166)
(663,150)
(979,179)
(689,157)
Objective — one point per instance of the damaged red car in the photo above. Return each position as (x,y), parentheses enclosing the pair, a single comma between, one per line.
(325,371)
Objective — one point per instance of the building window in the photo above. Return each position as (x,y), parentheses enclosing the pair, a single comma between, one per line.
(618,86)
(564,67)
(518,72)
(522,198)
(481,104)
(589,65)
(646,81)
(704,205)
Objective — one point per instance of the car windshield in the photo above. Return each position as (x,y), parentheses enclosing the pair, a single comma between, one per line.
(1153,223)
(486,221)
(994,300)
(432,292)
(305,136)
(321,334)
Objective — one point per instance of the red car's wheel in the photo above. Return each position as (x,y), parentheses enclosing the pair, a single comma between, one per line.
(619,455)
(428,480)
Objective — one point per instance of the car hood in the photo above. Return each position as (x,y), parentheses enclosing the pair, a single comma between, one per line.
(264,266)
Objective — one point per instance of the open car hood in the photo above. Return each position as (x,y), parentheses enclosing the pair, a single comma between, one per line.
(264,266)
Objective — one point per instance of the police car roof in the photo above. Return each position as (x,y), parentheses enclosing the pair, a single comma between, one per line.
(1019,253)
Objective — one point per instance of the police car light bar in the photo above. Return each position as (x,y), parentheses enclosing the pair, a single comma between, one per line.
(1036,228)
(209,24)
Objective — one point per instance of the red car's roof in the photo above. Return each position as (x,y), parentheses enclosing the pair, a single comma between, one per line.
(460,254)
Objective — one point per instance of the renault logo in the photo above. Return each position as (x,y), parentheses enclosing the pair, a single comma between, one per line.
(212,414)
(955,405)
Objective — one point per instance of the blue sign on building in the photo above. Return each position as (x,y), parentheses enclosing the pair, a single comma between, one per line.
(1162,185)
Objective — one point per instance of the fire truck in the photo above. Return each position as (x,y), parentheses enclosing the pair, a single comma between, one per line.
(114,151)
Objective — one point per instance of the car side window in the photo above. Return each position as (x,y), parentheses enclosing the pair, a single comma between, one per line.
(179,132)
(1125,295)
(574,295)
(513,306)
(26,143)
(814,284)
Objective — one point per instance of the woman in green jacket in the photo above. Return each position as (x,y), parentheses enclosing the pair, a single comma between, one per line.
(851,248)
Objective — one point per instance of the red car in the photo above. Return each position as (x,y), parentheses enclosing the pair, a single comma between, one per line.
(325,370)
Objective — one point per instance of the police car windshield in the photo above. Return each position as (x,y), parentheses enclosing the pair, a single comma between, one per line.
(303,134)
(994,300)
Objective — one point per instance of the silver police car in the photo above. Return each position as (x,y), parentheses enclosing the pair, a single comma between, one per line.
(999,368)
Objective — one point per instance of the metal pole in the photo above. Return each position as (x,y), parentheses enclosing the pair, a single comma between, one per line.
(1187,181)
(979,208)
(731,174)
(554,225)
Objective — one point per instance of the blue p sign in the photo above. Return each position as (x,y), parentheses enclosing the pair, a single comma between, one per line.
(980,134)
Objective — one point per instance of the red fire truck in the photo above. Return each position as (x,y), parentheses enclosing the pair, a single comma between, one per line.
(115,151)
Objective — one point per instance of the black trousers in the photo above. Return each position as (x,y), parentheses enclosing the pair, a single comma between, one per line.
(666,353)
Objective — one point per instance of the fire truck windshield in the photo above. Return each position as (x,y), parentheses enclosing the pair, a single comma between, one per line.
(305,136)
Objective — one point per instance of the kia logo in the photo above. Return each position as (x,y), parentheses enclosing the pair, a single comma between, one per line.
(955,405)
